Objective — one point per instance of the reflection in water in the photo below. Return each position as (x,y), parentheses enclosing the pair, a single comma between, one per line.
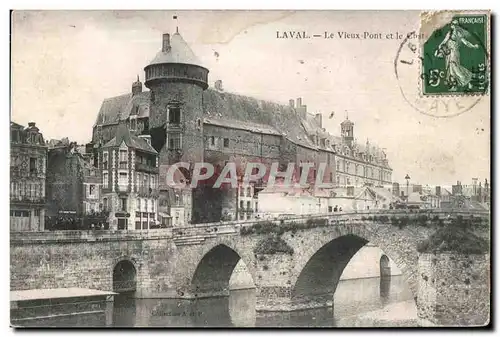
(352,299)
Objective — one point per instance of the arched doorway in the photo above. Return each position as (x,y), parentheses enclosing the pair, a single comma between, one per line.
(124,277)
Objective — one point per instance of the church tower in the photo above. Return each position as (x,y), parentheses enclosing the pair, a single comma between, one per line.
(347,131)
(176,80)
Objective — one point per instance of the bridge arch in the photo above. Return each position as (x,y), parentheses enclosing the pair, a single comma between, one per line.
(385,266)
(213,272)
(326,252)
(124,276)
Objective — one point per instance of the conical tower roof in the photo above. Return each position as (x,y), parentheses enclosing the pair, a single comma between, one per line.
(175,50)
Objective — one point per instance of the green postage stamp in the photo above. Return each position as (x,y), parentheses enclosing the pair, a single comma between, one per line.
(454,52)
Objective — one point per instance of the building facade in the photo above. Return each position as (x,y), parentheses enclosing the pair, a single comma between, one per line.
(190,122)
(28,166)
(73,187)
(129,168)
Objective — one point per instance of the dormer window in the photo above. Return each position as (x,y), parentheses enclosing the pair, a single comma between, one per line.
(133,124)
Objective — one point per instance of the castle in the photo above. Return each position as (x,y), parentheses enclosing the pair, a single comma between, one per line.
(186,121)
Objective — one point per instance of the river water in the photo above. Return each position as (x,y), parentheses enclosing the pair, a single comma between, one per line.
(366,302)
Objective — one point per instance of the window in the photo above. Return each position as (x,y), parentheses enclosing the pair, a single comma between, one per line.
(338,180)
(330,209)
(139,179)
(249,192)
(256,206)
(198,123)
(153,182)
(105,160)
(123,156)
(105,180)
(32,165)
(138,206)
(174,141)
(14,135)
(137,225)
(241,204)
(249,207)
(133,124)
(212,141)
(226,142)
(338,165)
(174,115)
(242,191)
(123,204)
(91,190)
(123,179)
(37,212)
(152,95)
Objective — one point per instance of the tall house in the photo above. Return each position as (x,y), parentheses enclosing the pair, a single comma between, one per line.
(28,162)
(129,167)
(73,187)
(176,81)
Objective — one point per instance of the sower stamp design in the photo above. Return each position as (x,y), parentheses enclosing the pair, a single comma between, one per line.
(454,53)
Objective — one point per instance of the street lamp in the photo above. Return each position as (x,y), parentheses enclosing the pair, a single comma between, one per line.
(407,187)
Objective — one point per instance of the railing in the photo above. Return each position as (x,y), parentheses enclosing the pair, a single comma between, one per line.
(145,191)
(146,168)
(27,199)
(73,236)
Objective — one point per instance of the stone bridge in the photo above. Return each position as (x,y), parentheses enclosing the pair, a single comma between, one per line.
(295,263)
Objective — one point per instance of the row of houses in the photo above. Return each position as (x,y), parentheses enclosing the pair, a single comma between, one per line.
(60,185)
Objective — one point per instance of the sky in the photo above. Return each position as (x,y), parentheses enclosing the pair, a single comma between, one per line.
(64,64)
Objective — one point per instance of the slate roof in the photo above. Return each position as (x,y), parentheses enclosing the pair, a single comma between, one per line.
(180,52)
(132,141)
(122,107)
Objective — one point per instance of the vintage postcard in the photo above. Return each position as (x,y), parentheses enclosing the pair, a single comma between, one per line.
(250,169)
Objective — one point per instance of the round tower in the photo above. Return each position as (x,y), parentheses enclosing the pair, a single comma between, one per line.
(176,80)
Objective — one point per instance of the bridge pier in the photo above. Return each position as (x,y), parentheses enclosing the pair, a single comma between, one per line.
(279,298)
(454,290)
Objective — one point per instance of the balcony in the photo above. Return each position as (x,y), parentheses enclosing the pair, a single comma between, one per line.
(147,192)
(123,188)
(146,168)
(23,199)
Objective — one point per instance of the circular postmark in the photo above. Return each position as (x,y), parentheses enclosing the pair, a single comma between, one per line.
(411,76)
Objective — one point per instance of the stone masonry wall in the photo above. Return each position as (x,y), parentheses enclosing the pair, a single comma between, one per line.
(86,259)
(453,289)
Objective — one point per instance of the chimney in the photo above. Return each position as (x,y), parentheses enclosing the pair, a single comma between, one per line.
(166,43)
(438,191)
(301,109)
(291,103)
(31,124)
(319,120)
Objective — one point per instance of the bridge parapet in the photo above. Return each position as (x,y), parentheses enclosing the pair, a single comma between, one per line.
(89,236)
(231,228)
